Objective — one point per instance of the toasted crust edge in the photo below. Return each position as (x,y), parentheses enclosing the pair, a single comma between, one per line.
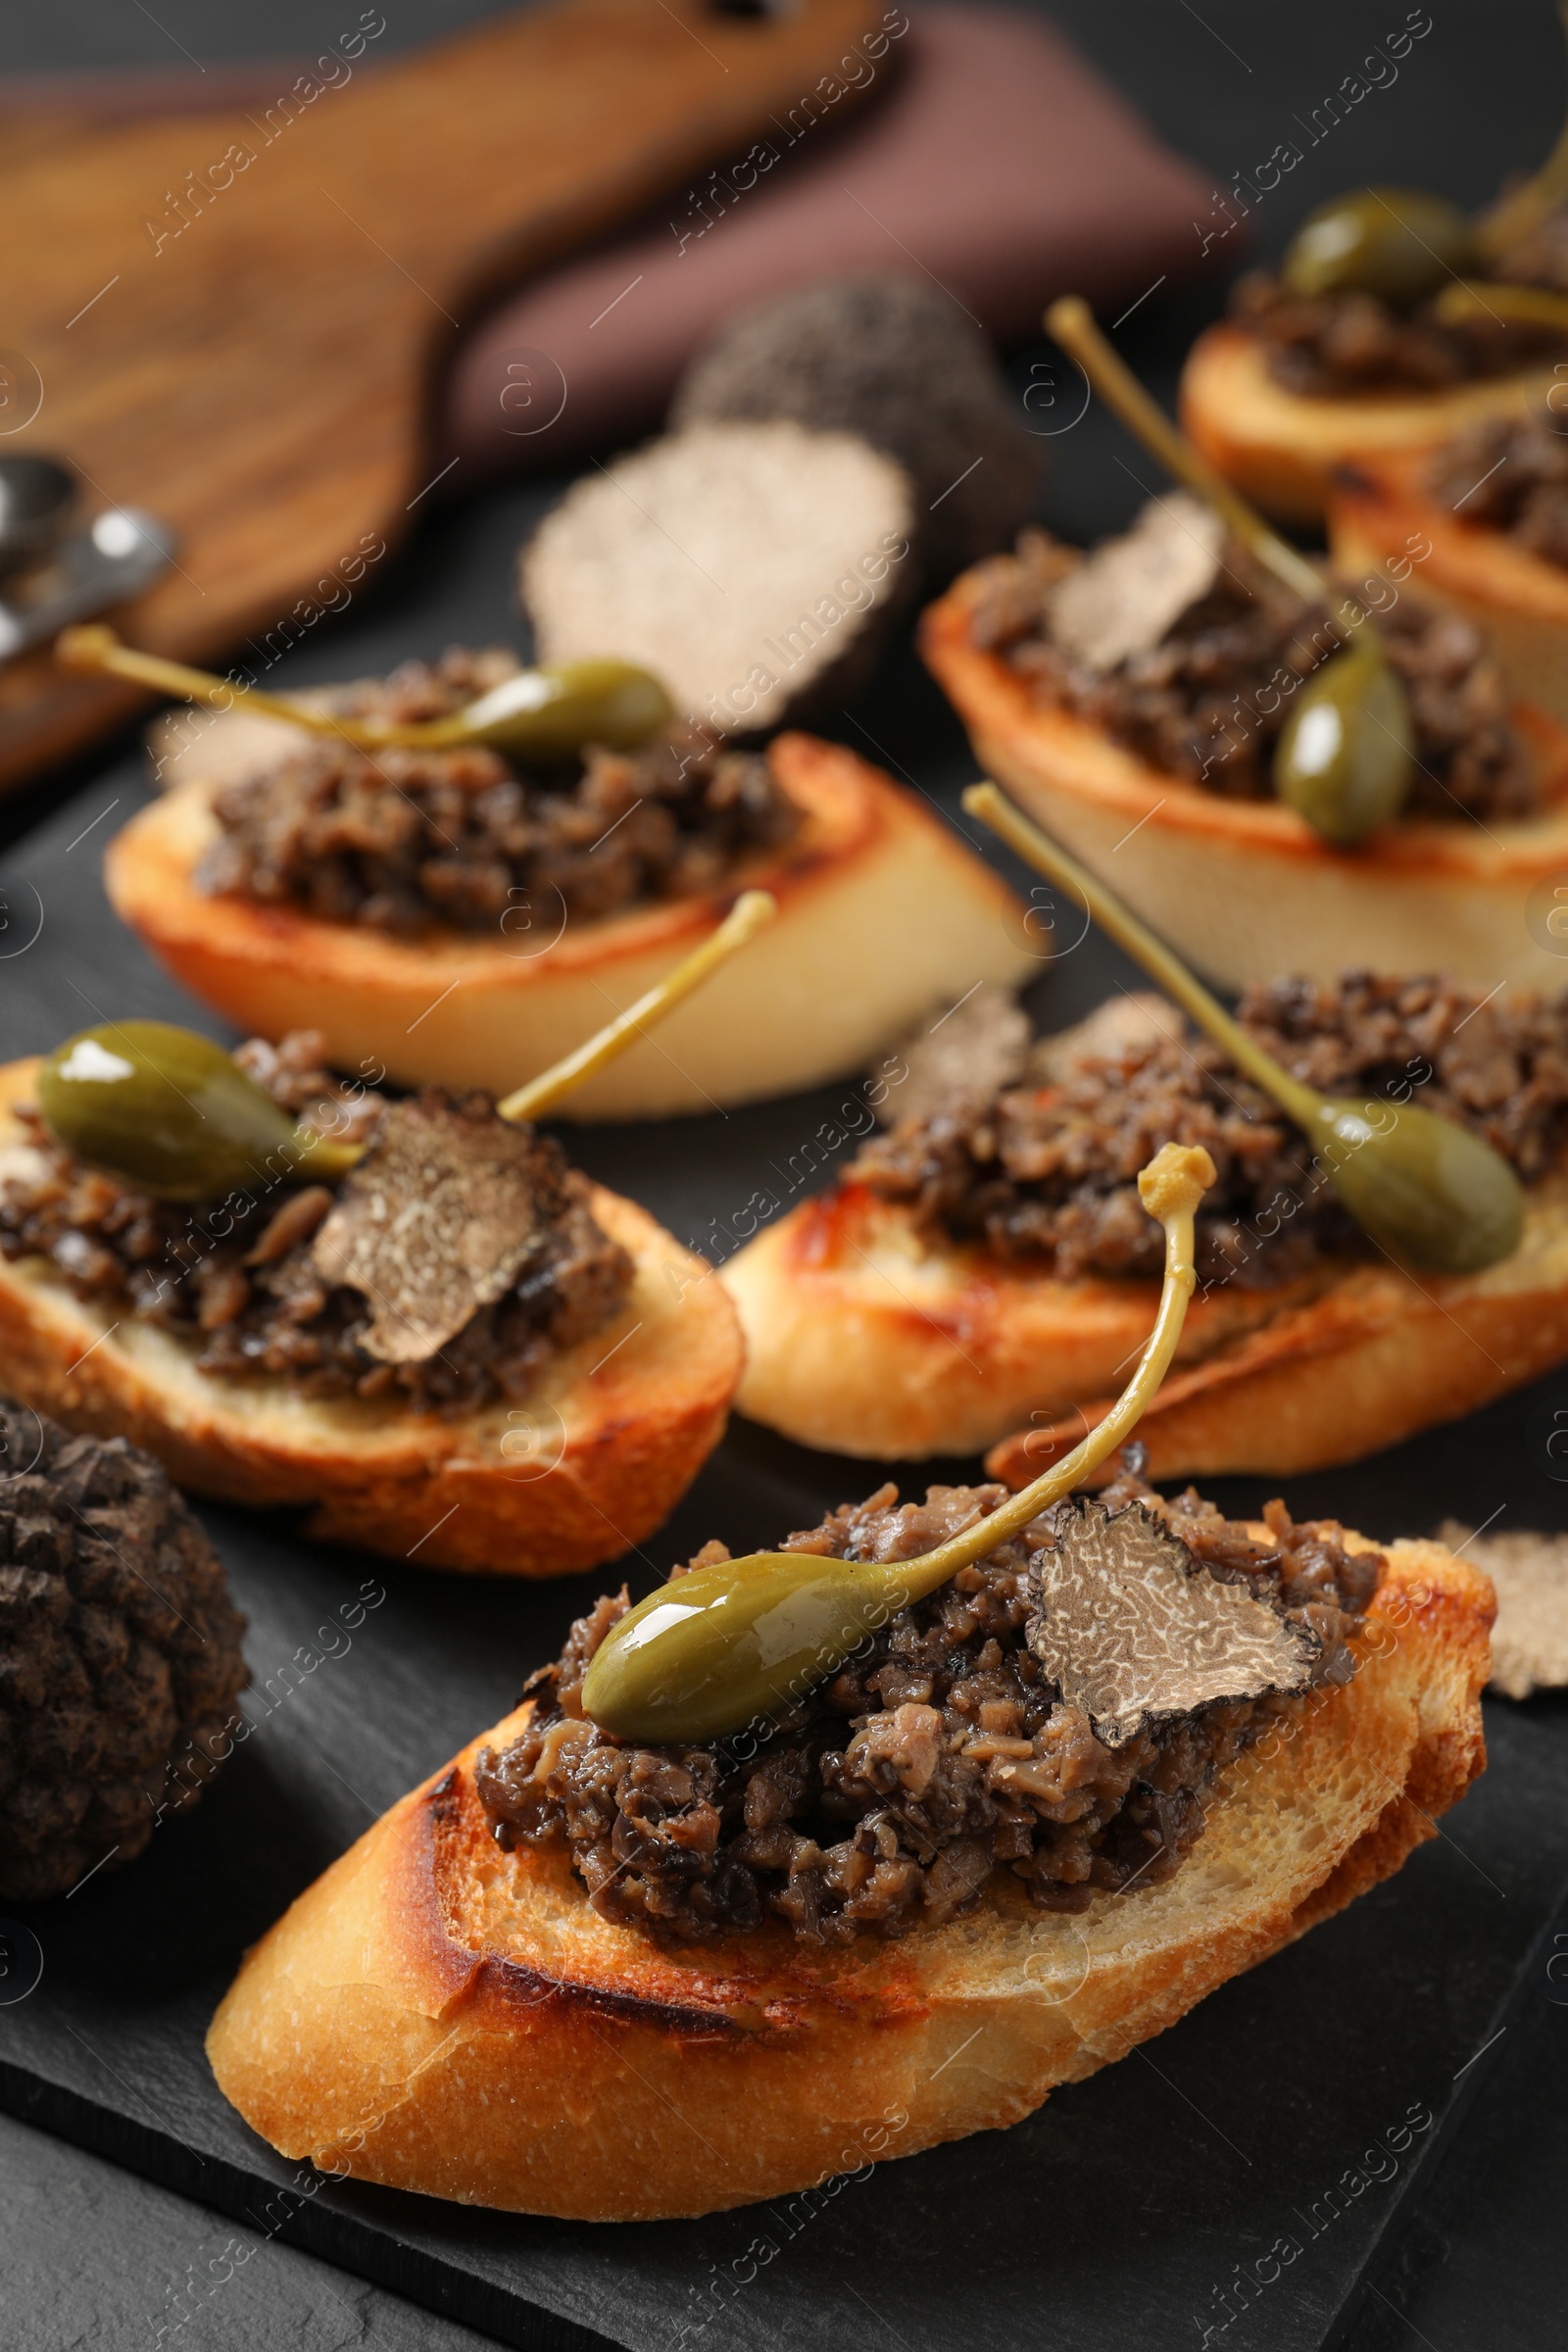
(1282,448)
(883,912)
(952,1351)
(1291,902)
(435,2016)
(1379,506)
(619,1440)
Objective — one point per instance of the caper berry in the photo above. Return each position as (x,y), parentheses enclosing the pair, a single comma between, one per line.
(740,1639)
(1429,1191)
(1432,1193)
(1345,759)
(537,714)
(1398,243)
(174,1115)
(549,713)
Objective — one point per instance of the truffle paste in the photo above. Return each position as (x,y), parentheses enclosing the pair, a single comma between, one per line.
(942,1752)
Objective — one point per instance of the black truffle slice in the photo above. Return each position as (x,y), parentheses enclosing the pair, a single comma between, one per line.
(1130,1627)
(1131,591)
(120,1657)
(900,365)
(437,1221)
(961,1062)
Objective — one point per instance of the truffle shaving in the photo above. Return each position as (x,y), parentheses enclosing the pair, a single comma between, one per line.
(435,1222)
(1530,1571)
(963,1057)
(1130,1627)
(1124,597)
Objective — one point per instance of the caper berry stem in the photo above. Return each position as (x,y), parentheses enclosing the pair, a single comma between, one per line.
(749,912)
(1071,321)
(320,1158)
(714,1648)
(1526,306)
(545,713)
(1428,1191)
(1037,848)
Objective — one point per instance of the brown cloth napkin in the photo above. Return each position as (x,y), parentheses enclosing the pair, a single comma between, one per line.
(985,156)
(996,164)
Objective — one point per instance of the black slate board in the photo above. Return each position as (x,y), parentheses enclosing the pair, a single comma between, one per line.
(1126,2211)
(1154,2187)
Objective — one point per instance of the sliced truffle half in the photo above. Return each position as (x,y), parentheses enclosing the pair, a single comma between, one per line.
(903,366)
(1131,1628)
(751,567)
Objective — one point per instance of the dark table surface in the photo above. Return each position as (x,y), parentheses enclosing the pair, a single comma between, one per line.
(92,2254)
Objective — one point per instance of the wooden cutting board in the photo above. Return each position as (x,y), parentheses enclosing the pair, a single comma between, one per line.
(247,348)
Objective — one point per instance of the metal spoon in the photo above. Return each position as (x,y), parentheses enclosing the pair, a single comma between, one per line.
(1345,760)
(715,1648)
(1433,1194)
(541,713)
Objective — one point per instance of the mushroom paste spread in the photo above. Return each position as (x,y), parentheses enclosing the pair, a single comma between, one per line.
(1339,346)
(440,1272)
(402,841)
(1208,696)
(943,1752)
(1510,475)
(1033,1149)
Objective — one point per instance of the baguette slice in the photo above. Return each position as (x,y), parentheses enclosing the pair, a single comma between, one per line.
(882,909)
(593,1461)
(863,1339)
(437,2015)
(1244,889)
(1379,508)
(1282,448)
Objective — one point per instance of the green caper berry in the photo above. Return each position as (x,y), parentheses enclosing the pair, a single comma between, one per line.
(1401,244)
(1432,1193)
(172,1113)
(1345,758)
(551,713)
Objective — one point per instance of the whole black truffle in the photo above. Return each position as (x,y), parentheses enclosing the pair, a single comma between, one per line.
(901,366)
(119,1658)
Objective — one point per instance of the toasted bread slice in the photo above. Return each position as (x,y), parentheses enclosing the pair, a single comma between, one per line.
(1244,889)
(864,1339)
(1380,507)
(882,911)
(1282,448)
(618,1428)
(437,2015)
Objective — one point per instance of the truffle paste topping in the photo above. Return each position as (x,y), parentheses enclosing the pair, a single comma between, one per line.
(253,1280)
(941,1759)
